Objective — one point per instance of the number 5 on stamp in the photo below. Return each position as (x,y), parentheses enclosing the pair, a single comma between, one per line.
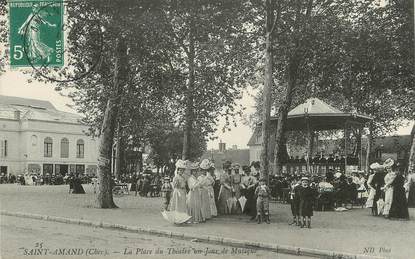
(36,34)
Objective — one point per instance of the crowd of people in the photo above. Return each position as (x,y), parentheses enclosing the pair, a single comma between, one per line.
(199,191)
(389,194)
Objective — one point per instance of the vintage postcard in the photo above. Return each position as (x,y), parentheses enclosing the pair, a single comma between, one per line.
(219,129)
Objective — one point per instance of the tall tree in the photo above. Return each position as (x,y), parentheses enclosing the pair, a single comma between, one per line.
(271,23)
(104,198)
(295,58)
(214,45)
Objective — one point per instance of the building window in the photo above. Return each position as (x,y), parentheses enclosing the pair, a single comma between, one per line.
(80,148)
(64,148)
(34,140)
(48,147)
(3,147)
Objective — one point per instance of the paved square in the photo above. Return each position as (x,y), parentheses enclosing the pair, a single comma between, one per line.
(353,231)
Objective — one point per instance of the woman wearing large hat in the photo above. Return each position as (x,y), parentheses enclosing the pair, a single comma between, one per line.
(204,183)
(178,200)
(209,181)
(372,190)
(225,192)
(388,188)
(399,205)
(194,197)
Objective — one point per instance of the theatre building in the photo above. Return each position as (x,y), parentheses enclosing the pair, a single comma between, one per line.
(36,137)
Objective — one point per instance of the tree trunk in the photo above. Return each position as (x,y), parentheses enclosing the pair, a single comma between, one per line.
(411,161)
(282,121)
(117,153)
(292,74)
(189,97)
(266,116)
(104,197)
(369,147)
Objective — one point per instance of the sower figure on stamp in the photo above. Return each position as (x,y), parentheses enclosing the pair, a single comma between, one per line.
(166,190)
(262,203)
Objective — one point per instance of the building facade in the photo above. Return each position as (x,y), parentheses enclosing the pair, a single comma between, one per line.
(222,155)
(36,137)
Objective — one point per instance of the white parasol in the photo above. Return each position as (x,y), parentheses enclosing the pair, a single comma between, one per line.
(231,202)
(176,217)
(242,201)
(381,205)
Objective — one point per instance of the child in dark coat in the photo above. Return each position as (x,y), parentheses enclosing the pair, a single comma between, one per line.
(307,195)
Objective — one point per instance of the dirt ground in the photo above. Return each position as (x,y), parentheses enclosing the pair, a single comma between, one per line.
(21,237)
(354,231)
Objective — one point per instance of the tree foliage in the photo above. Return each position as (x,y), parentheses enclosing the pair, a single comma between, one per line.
(357,56)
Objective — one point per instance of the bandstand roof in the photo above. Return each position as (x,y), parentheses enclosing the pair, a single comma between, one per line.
(321,116)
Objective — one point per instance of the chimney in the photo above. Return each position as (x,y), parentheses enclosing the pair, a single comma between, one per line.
(222,146)
(17,115)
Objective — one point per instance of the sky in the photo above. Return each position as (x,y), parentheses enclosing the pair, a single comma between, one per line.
(14,83)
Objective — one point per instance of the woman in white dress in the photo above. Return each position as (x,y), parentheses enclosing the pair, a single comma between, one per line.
(204,195)
(194,197)
(209,181)
(178,199)
(388,188)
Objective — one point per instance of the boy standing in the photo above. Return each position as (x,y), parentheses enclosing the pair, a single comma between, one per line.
(262,203)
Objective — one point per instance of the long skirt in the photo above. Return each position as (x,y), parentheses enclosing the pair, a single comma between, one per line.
(206,213)
(194,205)
(399,206)
(212,204)
(224,195)
(237,189)
(388,200)
(370,199)
(250,205)
(411,196)
(77,188)
(178,201)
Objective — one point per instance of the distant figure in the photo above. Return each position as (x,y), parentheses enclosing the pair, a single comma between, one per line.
(77,185)
(166,191)
(410,189)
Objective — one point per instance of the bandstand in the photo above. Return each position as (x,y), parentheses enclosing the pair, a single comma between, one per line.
(315,115)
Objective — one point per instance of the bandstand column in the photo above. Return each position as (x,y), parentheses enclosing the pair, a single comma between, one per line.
(345,146)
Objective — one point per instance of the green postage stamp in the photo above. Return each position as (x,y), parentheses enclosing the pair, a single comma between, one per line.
(36,33)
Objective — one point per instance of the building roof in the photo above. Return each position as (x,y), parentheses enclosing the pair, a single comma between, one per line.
(18,101)
(254,137)
(313,106)
(32,109)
